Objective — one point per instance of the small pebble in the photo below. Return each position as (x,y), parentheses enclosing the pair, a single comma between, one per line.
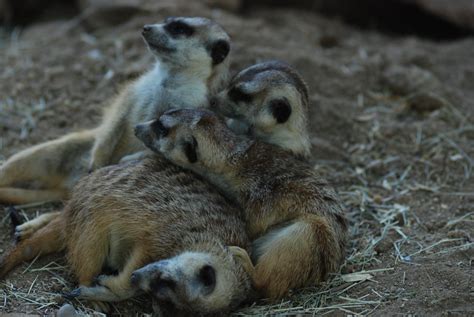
(67,310)
(425,102)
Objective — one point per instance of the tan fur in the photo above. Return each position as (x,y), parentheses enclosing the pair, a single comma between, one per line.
(294,216)
(184,76)
(249,100)
(129,215)
(47,171)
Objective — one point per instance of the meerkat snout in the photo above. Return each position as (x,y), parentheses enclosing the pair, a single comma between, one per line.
(191,280)
(188,41)
(146,29)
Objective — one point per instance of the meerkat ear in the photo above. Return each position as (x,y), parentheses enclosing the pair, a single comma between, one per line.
(280,109)
(190,150)
(219,51)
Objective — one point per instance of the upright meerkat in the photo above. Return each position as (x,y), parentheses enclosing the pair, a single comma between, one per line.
(192,63)
(294,217)
(161,227)
(270,99)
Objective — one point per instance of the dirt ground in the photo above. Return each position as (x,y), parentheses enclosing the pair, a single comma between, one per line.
(392,124)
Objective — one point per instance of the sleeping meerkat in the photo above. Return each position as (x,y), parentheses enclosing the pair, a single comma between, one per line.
(161,227)
(294,217)
(192,63)
(272,99)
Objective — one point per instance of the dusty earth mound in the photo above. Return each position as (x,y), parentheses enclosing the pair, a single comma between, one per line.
(392,123)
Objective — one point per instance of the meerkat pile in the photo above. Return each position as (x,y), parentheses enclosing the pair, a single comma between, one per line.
(204,206)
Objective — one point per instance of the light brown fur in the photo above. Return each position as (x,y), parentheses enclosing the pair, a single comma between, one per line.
(294,216)
(47,171)
(270,101)
(126,216)
(185,73)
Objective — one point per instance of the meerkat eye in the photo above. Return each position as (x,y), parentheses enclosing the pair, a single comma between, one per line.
(190,150)
(237,95)
(281,110)
(207,275)
(177,28)
(159,129)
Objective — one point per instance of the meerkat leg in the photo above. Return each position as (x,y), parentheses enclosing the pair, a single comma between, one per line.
(109,136)
(19,196)
(111,288)
(26,229)
(48,239)
(42,172)
(88,255)
(302,253)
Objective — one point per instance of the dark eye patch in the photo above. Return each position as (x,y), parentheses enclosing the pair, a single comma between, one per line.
(237,95)
(207,276)
(219,51)
(190,150)
(159,285)
(159,129)
(177,28)
(281,110)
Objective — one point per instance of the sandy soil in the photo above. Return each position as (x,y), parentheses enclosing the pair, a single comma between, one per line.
(392,123)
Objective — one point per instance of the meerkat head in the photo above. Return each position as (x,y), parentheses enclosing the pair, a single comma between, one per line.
(193,138)
(204,282)
(272,99)
(197,45)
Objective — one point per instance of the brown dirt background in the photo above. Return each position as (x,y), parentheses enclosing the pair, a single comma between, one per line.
(404,173)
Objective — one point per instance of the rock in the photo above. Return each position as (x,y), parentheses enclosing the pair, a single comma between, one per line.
(459,12)
(459,234)
(405,80)
(100,13)
(386,244)
(425,102)
(5,12)
(229,5)
(67,310)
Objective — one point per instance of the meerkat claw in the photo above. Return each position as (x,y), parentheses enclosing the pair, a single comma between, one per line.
(72,294)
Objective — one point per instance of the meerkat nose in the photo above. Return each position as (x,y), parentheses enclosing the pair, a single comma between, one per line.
(146,29)
(213,102)
(135,279)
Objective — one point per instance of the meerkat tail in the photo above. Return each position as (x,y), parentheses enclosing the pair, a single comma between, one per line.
(48,239)
(18,196)
(291,256)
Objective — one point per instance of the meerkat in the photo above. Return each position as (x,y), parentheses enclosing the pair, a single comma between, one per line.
(191,64)
(294,217)
(268,100)
(165,231)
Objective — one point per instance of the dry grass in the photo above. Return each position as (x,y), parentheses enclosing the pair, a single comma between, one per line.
(372,209)
(376,178)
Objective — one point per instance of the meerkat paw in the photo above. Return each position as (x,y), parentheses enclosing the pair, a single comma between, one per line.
(94,293)
(242,255)
(97,161)
(25,230)
(135,156)
(103,280)
(94,165)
